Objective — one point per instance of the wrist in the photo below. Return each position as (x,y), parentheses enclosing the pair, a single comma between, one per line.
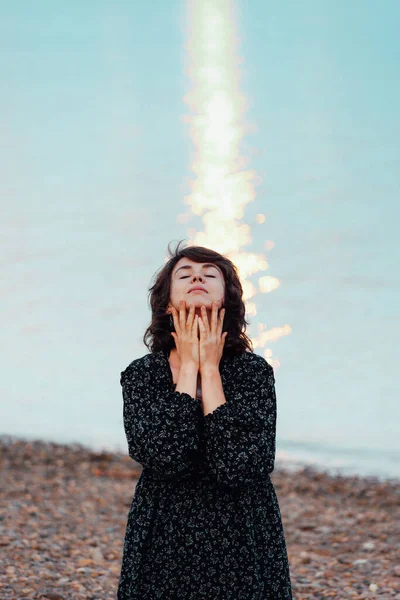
(189,367)
(209,371)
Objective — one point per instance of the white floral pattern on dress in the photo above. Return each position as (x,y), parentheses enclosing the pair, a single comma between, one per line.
(204,522)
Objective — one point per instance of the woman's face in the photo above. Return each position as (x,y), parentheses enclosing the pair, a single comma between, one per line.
(187,275)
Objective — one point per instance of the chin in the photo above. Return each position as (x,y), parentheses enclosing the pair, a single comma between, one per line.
(200,302)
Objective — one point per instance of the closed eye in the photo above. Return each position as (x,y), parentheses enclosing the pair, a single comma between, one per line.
(186,276)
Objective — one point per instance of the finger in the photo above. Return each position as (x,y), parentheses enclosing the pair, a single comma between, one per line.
(182,314)
(202,329)
(191,315)
(214,318)
(195,326)
(220,322)
(223,338)
(204,319)
(175,318)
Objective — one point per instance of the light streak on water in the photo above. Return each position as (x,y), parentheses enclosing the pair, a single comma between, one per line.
(223,185)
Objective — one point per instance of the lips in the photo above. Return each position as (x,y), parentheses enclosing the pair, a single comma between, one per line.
(197,289)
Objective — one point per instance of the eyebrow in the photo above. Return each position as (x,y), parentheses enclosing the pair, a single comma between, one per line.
(190,267)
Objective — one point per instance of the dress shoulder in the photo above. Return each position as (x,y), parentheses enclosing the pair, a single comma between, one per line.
(253,362)
(137,367)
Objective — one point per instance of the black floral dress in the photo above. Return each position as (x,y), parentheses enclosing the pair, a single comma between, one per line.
(204,522)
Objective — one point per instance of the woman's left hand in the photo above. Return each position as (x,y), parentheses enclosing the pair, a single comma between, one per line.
(212,339)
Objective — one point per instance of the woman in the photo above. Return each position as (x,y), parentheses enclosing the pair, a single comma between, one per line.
(200,417)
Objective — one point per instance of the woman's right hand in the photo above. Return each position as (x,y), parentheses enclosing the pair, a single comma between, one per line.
(186,335)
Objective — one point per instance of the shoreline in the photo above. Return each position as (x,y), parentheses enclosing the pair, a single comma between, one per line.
(65,506)
(290,461)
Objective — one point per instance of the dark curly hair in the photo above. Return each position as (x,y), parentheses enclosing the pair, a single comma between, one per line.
(157,336)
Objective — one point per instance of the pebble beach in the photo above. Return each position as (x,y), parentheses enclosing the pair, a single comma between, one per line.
(64,510)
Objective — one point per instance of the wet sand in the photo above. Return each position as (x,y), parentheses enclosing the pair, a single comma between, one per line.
(64,510)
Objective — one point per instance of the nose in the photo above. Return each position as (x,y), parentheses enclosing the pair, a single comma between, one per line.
(194,278)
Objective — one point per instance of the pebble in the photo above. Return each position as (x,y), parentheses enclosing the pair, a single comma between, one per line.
(66,506)
(369,546)
(305,557)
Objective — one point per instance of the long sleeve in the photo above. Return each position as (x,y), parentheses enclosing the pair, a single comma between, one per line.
(162,426)
(239,436)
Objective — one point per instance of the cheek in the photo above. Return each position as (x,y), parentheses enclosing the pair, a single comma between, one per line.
(220,289)
(176,291)
(172,291)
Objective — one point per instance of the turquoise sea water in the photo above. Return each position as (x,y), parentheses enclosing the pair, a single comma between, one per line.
(96,161)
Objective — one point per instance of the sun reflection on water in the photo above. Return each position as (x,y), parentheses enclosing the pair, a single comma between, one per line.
(222,185)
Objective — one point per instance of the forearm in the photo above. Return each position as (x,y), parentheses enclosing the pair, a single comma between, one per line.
(162,426)
(187,380)
(239,439)
(211,390)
